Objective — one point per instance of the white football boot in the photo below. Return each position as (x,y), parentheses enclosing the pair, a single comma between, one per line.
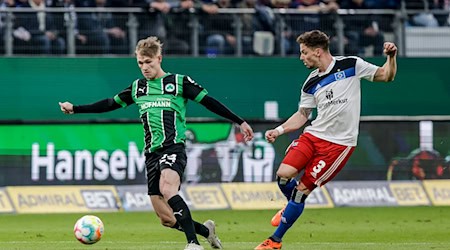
(213,240)
(193,246)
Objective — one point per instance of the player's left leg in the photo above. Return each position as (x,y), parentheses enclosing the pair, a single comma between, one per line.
(329,158)
(212,237)
(320,170)
(165,214)
(291,213)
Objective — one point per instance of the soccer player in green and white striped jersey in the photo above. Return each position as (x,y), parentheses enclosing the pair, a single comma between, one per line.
(162,97)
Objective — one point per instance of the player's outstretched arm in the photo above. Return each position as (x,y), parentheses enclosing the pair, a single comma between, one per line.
(296,121)
(387,72)
(102,106)
(217,107)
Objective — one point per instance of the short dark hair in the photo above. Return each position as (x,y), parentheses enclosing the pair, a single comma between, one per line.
(314,39)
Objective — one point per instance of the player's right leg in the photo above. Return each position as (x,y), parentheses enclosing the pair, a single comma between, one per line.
(164,172)
(298,155)
(164,212)
(169,185)
(286,183)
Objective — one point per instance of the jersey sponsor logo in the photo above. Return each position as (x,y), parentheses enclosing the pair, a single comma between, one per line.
(317,168)
(170,87)
(141,90)
(332,102)
(156,104)
(329,94)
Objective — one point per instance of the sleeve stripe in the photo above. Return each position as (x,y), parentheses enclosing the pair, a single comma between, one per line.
(119,101)
(200,96)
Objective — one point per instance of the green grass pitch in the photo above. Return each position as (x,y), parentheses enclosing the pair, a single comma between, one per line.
(338,228)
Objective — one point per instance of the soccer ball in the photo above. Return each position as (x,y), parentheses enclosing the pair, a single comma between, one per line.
(88,229)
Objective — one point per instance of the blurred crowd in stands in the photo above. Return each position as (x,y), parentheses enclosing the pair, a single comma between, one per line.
(43,32)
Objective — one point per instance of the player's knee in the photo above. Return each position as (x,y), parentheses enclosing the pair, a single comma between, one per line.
(286,171)
(282,181)
(167,221)
(169,191)
(282,174)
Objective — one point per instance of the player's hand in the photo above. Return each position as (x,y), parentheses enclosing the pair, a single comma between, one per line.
(389,49)
(271,135)
(247,131)
(66,107)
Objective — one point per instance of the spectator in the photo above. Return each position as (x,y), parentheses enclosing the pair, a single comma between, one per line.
(425,18)
(287,36)
(318,16)
(363,29)
(178,25)
(152,22)
(4,4)
(81,40)
(219,31)
(265,20)
(169,20)
(420,164)
(103,34)
(313,21)
(442,19)
(251,23)
(36,31)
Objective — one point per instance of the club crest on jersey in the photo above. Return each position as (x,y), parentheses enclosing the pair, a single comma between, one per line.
(339,75)
(170,87)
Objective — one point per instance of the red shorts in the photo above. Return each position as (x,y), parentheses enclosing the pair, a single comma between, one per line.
(321,159)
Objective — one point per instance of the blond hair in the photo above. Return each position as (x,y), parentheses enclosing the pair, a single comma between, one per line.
(150,46)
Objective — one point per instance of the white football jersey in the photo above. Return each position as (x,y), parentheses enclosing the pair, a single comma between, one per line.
(336,93)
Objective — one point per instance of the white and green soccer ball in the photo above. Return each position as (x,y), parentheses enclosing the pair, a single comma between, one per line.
(88,229)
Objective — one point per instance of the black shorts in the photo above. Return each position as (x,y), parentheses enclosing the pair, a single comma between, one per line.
(173,157)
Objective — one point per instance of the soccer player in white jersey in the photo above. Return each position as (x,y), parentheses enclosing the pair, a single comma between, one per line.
(333,88)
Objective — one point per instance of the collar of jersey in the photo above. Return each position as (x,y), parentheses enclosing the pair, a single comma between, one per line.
(330,67)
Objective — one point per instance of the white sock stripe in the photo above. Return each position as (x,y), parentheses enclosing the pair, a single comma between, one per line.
(333,167)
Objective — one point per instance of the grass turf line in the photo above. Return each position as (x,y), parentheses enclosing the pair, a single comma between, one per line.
(338,228)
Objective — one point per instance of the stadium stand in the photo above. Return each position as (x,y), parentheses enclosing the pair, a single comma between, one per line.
(112,27)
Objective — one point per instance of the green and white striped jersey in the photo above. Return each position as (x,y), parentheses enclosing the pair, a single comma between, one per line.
(162,107)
